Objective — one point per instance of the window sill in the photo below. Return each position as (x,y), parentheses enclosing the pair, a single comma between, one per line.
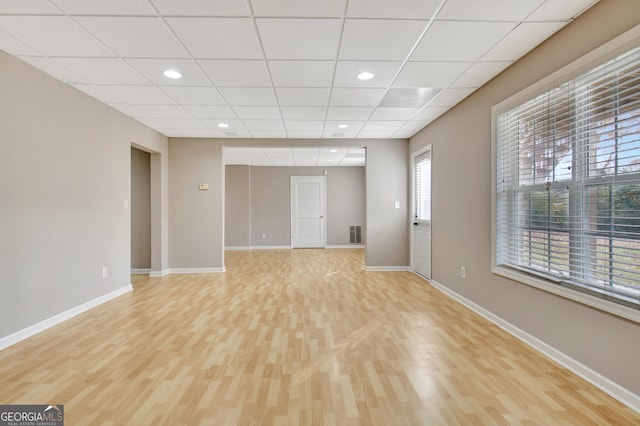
(604,305)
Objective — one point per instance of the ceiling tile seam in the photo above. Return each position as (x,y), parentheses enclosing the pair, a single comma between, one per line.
(107,48)
(266,64)
(406,59)
(335,64)
(197,64)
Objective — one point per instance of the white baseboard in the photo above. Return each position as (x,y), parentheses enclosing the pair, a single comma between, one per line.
(158,274)
(608,386)
(347,246)
(34,329)
(196,270)
(231,248)
(387,268)
(141,271)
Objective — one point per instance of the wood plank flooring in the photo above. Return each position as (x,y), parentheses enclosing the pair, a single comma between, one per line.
(294,337)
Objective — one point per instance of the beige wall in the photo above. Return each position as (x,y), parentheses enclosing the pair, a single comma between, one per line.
(237,206)
(140,206)
(64,176)
(258,199)
(193,216)
(196,217)
(461,211)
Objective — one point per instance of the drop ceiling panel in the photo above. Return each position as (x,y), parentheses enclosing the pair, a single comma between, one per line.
(152,70)
(98,93)
(139,94)
(264,125)
(303,113)
(248,96)
(451,97)
(302,73)
(393,9)
(346,72)
(460,41)
(521,40)
(300,38)
(352,125)
(382,113)
(489,10)
(153,38)
(218,38)
(377,39)
(236,73)
(302,96)
(387,125)
(10,7)
(160,111)
(208,111)
(269,134)
(430,74)
(194,95)
(257,112)
(202,7)
(53,68)
(102,7)
(214,125)
(305,8)
(560,10)
(302,125)
(356,97)
(349,113)
(53,35)
(480,73)
(103,70)
(264,64)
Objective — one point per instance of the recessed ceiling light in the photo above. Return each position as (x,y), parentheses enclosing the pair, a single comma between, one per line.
(342,126)
(329,160)
(172,74)
(223,125)
(333,150)
(365,75)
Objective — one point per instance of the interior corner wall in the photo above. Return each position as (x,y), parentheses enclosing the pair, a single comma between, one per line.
(196,217)
(64,177)
(387,176)
(237,206)
(461,209)
(140,207)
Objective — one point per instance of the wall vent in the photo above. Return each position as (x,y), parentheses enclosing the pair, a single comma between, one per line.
(355,234)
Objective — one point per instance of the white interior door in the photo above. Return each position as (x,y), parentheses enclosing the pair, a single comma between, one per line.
(421,229)
(308,211)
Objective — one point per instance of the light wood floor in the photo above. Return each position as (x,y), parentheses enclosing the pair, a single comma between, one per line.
(294,337)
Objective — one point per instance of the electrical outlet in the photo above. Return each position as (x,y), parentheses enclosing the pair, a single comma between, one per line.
(463,272)
(104,273)
(264,236)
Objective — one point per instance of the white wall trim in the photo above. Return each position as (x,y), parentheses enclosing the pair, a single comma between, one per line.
(346,246)
(141,271)
(34,329)
(196,270)
(157,274)
(231,248)
(608,386)
(387,268)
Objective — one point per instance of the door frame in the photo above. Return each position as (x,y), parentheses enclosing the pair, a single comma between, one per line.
(412,189)
(324,206)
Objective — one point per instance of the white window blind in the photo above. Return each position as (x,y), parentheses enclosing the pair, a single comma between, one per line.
(568,183)
(423,186)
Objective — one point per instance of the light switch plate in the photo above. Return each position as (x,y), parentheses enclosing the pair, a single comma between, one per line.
(204,186)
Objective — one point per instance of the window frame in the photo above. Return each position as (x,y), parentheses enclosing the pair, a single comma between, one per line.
(607,51)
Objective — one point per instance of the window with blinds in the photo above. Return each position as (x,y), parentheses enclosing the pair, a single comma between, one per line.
(568,183)
(423,186)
